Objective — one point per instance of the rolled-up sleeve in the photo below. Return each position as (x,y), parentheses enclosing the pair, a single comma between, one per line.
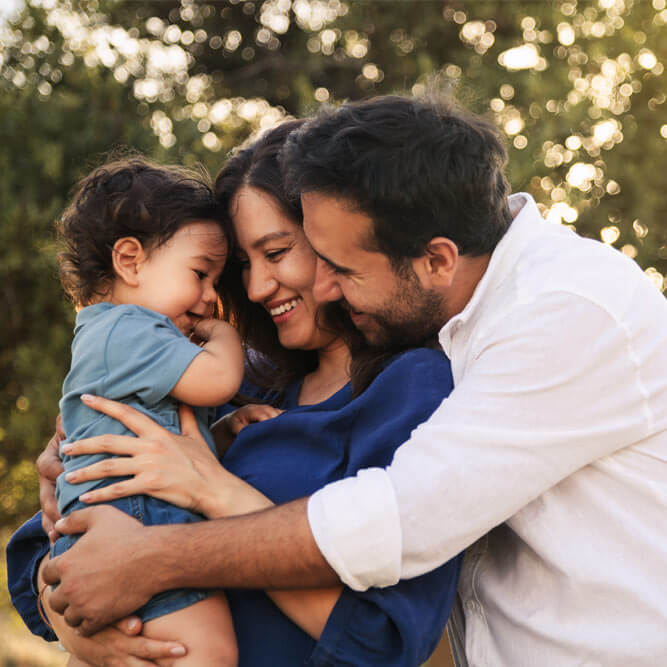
(25,551)
(357,506)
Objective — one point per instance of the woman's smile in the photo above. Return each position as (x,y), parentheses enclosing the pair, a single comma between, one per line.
(279,311)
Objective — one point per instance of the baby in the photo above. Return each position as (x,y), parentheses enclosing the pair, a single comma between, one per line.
(144,248)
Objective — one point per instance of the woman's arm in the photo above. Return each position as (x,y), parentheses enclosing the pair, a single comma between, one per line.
(190,476)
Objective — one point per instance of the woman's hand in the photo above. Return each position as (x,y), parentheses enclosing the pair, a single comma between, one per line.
(226,429)
(120,644)
(180,469)
(49,466)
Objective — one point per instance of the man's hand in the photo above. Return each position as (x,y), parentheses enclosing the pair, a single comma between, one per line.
(49,467)
(120,644)
(106,575)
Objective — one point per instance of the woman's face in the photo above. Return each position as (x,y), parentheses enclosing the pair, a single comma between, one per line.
(278,267)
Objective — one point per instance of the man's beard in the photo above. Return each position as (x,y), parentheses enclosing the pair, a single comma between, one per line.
(412,317)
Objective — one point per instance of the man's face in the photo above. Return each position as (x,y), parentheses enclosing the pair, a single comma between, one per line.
(388,307)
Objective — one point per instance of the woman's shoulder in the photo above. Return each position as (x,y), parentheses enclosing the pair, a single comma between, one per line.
(425,361)
(416,375)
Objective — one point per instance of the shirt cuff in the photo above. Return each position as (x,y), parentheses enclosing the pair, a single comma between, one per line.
(356,525)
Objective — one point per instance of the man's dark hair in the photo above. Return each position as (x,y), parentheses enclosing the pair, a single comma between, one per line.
(418,169)
(129,196)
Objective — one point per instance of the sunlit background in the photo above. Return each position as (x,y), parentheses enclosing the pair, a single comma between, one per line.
(578,89)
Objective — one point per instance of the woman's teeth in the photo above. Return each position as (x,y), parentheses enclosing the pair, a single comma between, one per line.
(283,308)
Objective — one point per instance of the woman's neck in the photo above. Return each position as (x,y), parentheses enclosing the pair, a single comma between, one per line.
(331,374)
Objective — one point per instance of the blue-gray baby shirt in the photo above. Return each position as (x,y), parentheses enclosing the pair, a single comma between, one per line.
(126,353)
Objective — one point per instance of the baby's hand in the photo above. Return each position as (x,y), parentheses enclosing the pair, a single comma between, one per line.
(250,414)
(226,429)
(209,328)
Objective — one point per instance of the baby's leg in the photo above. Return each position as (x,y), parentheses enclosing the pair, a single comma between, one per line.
(205,628)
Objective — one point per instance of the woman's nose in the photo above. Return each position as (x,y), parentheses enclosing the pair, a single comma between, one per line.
(261,284)
(326,287)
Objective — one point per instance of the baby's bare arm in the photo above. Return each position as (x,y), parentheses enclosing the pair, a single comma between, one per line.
(215,374)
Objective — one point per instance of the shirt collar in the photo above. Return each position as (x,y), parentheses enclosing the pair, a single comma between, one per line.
(521,231)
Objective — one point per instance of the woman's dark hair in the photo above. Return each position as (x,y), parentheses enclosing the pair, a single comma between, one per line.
(418,169)
(130,196)
(269,364)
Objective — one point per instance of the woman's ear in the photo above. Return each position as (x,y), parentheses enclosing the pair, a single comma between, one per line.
(128,255)
(437,266)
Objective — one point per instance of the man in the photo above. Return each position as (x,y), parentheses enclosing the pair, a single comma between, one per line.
(548,461)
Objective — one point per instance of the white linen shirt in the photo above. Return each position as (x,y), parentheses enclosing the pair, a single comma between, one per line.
(550,457)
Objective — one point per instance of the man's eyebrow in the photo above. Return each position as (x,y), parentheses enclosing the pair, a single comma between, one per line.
(337,267)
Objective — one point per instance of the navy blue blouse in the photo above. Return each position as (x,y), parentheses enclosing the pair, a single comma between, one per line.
(289,457)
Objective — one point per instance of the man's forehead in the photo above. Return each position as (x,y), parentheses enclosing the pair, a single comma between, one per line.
(325,213)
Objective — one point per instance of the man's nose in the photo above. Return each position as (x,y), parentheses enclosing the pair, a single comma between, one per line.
(326,287)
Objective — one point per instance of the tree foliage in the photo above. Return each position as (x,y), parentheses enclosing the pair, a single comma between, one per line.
(577,87)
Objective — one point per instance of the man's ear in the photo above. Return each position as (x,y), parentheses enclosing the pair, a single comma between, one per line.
(128,255)
(437,266)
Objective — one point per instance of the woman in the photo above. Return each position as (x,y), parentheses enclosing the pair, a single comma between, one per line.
(346,408)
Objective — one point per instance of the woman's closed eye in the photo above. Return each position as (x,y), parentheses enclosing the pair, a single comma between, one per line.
(276,255)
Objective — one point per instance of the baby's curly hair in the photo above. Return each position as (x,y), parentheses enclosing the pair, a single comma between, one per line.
(130,196)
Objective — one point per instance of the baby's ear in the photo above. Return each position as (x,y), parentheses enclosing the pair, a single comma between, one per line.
(128,255)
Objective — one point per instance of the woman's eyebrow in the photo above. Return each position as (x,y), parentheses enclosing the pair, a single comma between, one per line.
(273,236)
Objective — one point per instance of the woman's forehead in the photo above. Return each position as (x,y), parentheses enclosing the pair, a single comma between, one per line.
(257,218)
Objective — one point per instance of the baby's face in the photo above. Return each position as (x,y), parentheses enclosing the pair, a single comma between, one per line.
(178,278)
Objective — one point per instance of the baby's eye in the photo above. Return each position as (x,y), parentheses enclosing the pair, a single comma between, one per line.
(200,274)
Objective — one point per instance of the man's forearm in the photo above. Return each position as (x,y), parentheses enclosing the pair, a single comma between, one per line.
(273,548)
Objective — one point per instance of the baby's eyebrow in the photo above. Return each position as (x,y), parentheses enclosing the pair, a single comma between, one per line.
(210,259)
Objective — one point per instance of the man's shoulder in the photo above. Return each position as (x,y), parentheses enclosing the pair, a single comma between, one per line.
(581,269)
